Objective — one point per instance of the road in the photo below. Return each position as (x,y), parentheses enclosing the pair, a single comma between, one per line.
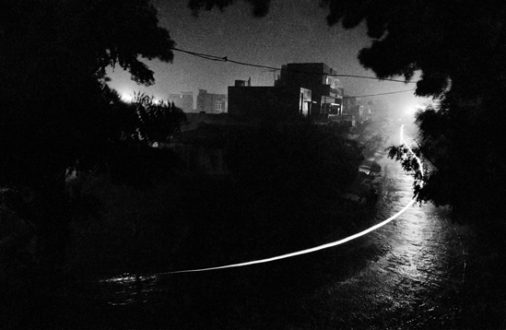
(406,275)
(412,283)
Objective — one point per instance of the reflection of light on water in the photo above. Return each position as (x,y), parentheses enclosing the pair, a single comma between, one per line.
(411,230)
(316,248)
(127,279)
(413,242)
(129,288)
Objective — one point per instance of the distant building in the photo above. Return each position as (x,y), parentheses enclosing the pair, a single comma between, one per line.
(184,100)
(352,108)
(326,89)
(348,103)
(359,108)
(211,103)
(268,101)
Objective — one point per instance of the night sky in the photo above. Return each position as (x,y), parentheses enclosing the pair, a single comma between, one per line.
(293,31)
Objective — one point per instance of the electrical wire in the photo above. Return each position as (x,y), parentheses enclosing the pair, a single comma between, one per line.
(226,59)
(379,94)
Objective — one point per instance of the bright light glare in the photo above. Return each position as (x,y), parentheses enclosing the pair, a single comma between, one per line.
(126,97)
(413,109)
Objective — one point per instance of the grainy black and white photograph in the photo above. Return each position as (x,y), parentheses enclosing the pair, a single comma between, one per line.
(252,164)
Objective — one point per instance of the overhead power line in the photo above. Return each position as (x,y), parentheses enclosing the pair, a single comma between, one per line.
(226,59)
(396,92)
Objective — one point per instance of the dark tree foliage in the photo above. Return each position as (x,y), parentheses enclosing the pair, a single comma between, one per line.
(56,111)
(132,159)
(157,121)
(54,99)
(460,49)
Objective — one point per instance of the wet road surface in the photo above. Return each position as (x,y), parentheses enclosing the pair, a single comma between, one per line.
(412,284)
(406,275)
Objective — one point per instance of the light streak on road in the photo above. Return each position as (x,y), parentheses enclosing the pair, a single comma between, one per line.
(302,252)
(316,248)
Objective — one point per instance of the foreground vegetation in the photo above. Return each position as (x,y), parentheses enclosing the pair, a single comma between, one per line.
(282,195)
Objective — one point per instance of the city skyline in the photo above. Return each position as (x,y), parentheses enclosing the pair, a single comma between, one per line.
(294,32)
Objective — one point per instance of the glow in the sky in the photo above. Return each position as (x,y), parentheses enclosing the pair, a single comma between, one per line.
(126,96)
(293,31)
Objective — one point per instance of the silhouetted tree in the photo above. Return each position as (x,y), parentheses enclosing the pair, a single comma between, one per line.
(56,110)
(460,49)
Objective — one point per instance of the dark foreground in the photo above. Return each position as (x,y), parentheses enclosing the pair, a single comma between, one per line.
(418,272)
